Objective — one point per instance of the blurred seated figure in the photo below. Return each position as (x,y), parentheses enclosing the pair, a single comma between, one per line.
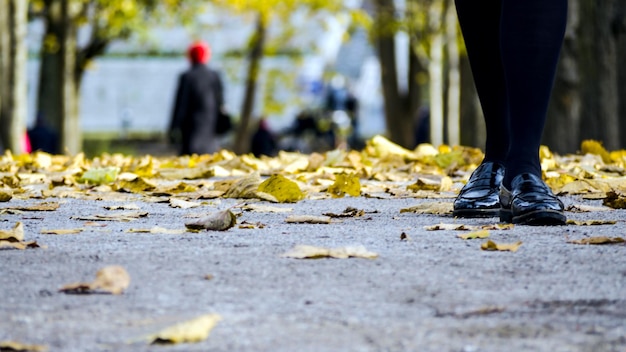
(311,131)
(42,137)
(263,140)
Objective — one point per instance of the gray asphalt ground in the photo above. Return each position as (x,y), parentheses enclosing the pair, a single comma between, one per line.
(433,292)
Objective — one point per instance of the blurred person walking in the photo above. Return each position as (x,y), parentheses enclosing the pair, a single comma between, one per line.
(199,100)
(513,47)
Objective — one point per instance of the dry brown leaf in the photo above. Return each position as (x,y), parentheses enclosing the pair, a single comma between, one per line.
(583,208)
(191,331)
(598,240)
(14,235)
(615,200)
(158,230)
(497,227)
(307,219)
(217,221)
(112,279)
(457,227)
(183,204)
(265,208)
(434,208)
(126,216)
(349,212)
(122,207)
(591,222)
(245,187)
(62,231)
(5,196)
(492,246)
(14,346)
(312,252)
(434,183)
(45,206)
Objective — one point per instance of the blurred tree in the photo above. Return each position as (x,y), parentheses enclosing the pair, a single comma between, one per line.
(63,60)
(13,58)
(267,13)
(589,96)
(434,51)
(400,106)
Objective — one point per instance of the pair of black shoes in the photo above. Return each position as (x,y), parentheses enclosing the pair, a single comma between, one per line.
(530,201)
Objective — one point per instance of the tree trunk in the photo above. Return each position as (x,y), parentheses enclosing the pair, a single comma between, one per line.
(619,25)
(473,130)
(4,62)
(453,119)
(599,70)
(58,96)
(565,106)
(400,107)
(71,135)
(13,72)
(436,73)
(49,96)
(242,138)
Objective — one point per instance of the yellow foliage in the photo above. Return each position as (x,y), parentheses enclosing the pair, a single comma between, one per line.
(595,147)
(345,183)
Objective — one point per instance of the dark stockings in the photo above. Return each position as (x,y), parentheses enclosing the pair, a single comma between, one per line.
(513,47)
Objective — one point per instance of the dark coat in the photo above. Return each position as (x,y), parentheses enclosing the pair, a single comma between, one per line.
(199,97)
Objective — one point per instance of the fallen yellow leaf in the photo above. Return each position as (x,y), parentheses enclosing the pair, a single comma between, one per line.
(308,219)
(191,331)
(492,246)
(598,240)
(5,196)
(312,252)
(13,346)
(14,235)
(125,216)
(435,208)
(345,183)
(475,235)
(183,204)
(61,232)
(283,189)
(158,230)
(111,279)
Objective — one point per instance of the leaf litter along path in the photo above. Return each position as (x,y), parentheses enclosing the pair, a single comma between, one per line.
(386,277)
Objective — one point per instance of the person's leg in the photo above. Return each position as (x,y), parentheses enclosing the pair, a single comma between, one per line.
(480,24)
(531,38)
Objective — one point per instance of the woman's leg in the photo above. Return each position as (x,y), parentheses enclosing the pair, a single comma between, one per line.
(531,38)
(480,23)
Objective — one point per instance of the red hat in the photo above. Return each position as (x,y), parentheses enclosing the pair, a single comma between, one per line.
(199,52)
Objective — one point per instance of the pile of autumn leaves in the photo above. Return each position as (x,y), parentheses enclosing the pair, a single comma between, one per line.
(381,170)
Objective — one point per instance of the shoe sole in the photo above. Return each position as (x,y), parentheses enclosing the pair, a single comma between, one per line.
(535,218)
(476,213)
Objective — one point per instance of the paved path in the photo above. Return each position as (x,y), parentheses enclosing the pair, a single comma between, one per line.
(431,292)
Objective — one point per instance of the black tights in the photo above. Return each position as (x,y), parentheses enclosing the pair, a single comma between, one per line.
(513,47)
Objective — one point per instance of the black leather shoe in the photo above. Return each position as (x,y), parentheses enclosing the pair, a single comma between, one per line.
(479,197)
(530,202)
